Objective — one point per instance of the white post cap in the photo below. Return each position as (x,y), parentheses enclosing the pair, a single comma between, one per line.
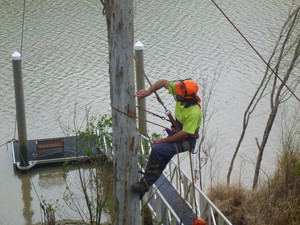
(16,56)
(139,46)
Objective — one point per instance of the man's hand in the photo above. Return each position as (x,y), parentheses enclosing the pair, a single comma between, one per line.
(181,135)
(157,85)
(143,93)
(159,141)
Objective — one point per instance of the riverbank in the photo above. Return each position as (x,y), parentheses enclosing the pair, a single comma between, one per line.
(276,201)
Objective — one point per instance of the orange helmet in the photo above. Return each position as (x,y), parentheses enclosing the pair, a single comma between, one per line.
(187,88)
(199,221)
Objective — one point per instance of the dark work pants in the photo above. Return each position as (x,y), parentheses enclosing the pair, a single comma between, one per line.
(163,153)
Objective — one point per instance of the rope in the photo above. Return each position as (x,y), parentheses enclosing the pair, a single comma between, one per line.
(154,114)
(134,116)
(23,24)
(193,181)
(180,180)
(248,42)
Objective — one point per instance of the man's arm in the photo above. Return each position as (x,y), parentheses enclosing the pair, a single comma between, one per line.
(157,85)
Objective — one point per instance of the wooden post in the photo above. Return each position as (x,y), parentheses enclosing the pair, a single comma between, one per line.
(119,18)
(20,109)
(140,84)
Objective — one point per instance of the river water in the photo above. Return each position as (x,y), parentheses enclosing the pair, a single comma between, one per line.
(65,70)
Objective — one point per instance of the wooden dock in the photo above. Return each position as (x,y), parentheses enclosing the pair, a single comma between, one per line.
(72,149)
(175,201)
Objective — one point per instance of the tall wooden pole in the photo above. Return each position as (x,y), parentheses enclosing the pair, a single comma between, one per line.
(140,84)
(20,109)
(119,16)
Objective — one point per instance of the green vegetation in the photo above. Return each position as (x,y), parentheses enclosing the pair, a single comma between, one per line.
(89,195)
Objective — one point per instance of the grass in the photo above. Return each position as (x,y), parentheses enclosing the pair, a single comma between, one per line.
(276,202)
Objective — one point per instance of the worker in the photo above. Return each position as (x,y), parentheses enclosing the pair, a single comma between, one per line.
(188,115)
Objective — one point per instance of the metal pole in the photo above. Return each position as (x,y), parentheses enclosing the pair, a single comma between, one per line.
(140,84)
(20,108)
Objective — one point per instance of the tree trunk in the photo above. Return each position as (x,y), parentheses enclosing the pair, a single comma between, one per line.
(278,95)
(261,147)
(119,16)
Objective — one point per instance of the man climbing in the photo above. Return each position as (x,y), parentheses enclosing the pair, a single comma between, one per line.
(188,115)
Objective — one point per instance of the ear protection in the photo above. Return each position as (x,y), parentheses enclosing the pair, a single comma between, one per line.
(186,88)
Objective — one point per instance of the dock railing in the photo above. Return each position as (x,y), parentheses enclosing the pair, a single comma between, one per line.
(203,205)
(162,211)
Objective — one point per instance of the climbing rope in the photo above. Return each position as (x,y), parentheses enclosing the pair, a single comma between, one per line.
(193,183)
(254,49)
(180,180)
(134,116)
(154,114)
(23,25)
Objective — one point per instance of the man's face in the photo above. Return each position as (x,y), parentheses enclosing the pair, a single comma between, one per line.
(179,98)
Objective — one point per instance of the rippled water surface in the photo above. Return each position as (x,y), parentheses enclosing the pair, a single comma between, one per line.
(65,70)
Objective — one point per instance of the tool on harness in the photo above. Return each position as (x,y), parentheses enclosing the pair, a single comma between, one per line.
(172,120)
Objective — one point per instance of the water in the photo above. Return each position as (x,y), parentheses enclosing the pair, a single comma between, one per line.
(65,70)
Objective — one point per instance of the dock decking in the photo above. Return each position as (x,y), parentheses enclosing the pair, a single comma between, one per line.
(73,149)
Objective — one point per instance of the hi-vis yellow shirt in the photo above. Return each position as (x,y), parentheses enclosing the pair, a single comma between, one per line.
(190,117)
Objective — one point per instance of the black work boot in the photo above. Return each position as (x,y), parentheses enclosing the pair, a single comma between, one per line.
(140,188)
